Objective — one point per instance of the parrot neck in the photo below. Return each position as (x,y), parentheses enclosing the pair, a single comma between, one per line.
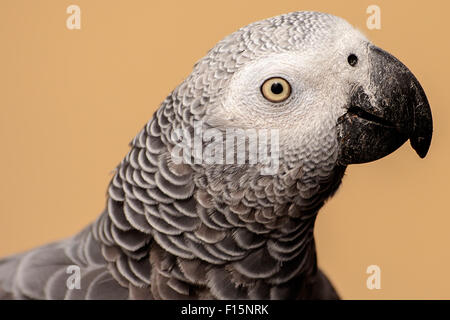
(186,224)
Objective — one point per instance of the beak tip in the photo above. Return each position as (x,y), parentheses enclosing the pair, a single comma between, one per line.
(421,145)
(423,154)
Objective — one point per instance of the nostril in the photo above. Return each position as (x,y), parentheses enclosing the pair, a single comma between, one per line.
(352,60)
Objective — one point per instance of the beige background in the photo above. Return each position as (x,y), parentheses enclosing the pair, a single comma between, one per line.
(70,101)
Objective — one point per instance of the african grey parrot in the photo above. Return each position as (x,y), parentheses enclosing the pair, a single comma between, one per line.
(201,230)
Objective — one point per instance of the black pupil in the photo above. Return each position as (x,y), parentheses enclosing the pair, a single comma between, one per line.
(276,88)
(352,60)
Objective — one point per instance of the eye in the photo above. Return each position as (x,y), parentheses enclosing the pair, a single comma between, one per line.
(276,89)
(352,60)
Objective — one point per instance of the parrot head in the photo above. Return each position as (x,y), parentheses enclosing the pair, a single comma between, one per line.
(333,96)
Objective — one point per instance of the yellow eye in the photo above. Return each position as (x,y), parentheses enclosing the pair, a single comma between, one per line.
(276,89)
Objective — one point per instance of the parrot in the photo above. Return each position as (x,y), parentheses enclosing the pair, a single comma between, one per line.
(179,224)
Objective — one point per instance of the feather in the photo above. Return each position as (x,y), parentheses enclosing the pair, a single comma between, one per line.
(141,268)
(125,270)
(105,287)
(131,240)
(87,276)
(209,235)
(258,264)
(165,242)
(37,267)
(221,287)
(115,211)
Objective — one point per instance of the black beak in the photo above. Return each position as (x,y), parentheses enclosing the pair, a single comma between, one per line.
(383,115)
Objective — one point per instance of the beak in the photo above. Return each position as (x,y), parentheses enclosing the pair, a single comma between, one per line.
(382,116)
